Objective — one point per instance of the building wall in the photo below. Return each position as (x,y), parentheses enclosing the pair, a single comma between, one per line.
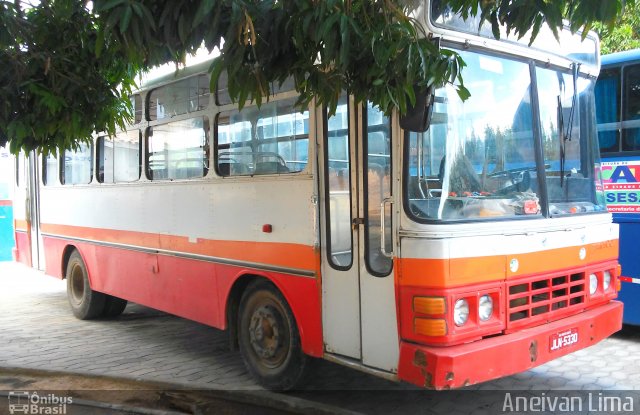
(6,208)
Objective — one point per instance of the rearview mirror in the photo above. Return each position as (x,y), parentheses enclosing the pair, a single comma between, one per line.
(418,117)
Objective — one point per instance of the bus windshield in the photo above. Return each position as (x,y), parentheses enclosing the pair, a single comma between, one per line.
(572,164)
(568,44)
(478,158)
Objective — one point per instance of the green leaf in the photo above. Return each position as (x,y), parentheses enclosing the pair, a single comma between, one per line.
(204,10)
(99,42)
(125,19)
(107,5)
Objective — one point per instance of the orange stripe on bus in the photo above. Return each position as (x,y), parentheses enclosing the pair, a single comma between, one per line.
(20,225)
(444,273)
(287,255)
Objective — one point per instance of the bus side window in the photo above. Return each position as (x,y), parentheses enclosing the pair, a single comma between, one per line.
(21,165)
(271,140)
(631,134)
(50,170)
(607,93)
(104,159)
(77,167)
(378,187)
(118,158)
(179,97)
(178,150)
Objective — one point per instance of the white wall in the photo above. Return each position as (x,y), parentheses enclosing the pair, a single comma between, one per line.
(6,174)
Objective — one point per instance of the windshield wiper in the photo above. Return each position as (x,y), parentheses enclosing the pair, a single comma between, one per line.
(566,136)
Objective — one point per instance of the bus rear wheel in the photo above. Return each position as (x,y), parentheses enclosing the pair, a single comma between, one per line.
(113,306)
(85,303)
(269,339)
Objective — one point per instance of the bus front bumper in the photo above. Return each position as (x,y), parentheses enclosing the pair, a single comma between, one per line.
(504,355)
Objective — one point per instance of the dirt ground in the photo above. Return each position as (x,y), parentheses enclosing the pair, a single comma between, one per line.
(98,395)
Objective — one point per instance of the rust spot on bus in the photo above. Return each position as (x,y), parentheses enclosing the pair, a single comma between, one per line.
(428,381)
(533,351)
(420,359)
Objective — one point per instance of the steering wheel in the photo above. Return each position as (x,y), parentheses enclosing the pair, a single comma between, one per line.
(520,179)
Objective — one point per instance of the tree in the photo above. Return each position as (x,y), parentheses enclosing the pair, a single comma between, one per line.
(70,68)
(624,35)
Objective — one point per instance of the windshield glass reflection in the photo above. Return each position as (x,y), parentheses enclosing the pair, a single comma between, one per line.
(477,160)
(568,133)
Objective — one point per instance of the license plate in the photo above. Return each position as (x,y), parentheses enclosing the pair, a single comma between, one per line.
(563,339)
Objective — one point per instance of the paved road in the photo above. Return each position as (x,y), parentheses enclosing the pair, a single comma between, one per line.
(38,331)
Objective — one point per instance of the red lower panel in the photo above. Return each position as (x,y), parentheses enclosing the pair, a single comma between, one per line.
(23,248)
(193,289)
(495,357)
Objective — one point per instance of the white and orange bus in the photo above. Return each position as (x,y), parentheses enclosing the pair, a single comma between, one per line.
(476,249)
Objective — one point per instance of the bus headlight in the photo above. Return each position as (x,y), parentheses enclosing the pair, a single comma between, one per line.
(606,280)
(461,312)
(593,284)
(485,307)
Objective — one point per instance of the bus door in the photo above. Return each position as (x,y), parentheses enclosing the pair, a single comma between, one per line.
(33,212)
(359,308)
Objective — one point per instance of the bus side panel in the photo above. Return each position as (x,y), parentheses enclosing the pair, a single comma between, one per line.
(187,287)
(302,295)
(23,248)
(179,286)
(630,261)
(53,251)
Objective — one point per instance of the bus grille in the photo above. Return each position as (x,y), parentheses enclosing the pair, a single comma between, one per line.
(537,300)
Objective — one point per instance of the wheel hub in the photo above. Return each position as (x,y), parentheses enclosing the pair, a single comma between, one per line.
(264,333)
(77,284)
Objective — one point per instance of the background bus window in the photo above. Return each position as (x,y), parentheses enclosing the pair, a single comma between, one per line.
(271,140)
(178,150)
(608,110)
(50,173)
(377,185)
(118,159)
(631,118)
(78,165)
(339,188)
(181,97)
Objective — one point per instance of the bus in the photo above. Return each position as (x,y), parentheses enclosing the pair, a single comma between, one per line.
(445,256)
(618,120)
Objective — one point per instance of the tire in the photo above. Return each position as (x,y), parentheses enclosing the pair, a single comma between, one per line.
(269,339)
(113,306)
(85,303)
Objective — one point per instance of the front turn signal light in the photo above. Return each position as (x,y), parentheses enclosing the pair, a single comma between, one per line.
(433,306)
(434,327)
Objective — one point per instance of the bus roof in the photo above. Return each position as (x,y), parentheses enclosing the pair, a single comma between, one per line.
(180,73)
(618,58)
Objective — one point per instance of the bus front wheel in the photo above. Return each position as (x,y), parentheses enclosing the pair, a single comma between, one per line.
(85,303)
(269,339)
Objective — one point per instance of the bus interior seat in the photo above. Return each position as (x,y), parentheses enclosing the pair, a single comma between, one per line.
(270,167)
(462,177)
(224,169)
(233,169)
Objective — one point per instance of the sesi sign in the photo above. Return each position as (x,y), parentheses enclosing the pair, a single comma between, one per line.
(621,180)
